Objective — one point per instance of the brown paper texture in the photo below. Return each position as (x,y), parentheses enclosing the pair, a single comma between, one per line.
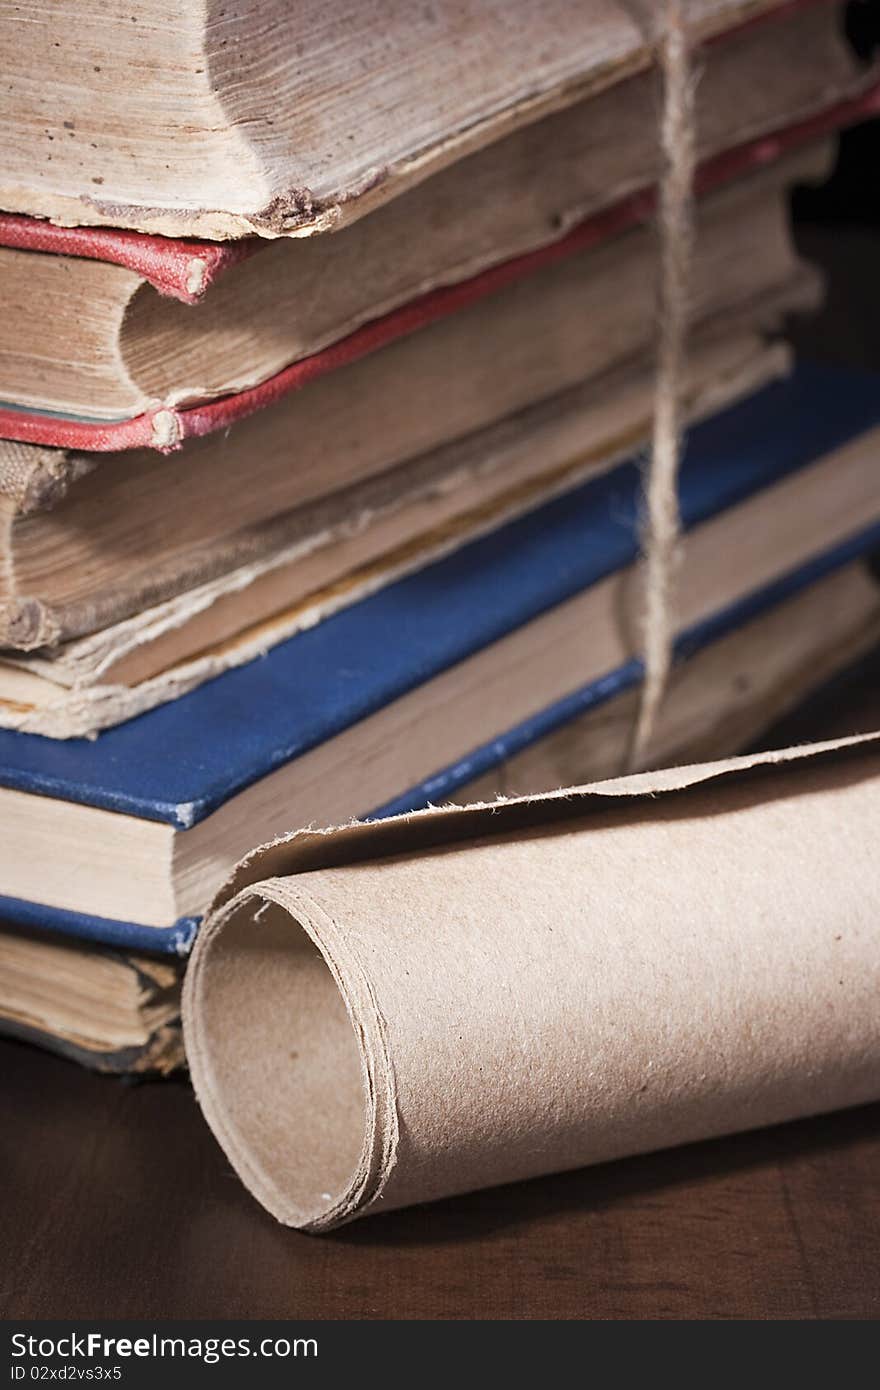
(390,1013)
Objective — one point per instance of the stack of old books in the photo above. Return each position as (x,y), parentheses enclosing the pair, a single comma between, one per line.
(326,369)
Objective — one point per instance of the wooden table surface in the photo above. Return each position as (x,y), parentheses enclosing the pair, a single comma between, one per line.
(116,1201)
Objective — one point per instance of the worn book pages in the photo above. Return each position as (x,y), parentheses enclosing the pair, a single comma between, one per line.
(93,338)
(114,1011)
(196,118)
(84,563)
(304,566)
(390,1013)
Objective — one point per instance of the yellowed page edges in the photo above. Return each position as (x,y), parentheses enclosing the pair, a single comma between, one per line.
(391,1013)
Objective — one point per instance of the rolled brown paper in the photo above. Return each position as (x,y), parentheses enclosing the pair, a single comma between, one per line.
(392,1013)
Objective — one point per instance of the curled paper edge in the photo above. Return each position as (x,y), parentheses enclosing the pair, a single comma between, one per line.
(310,848)
(271,875)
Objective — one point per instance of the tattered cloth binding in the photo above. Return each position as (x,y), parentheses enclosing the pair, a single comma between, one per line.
(180,267)
(185,268)
(390,1013)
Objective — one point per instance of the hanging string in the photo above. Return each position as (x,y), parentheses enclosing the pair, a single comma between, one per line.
(662,526)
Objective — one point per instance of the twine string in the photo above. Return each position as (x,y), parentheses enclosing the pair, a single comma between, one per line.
(661,533)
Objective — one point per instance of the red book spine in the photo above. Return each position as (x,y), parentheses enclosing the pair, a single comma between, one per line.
(182,269)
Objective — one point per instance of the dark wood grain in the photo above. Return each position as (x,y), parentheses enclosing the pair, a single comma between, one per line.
(116,1201)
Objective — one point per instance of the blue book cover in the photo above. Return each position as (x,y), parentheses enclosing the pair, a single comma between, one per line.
(183,760)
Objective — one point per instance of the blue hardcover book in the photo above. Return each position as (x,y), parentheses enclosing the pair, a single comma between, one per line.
(410,694)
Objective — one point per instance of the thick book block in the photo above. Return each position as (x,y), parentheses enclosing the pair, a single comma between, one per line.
(86,338)
(196,118)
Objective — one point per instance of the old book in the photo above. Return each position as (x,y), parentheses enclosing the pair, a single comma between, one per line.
(426,683)
(166,427)
(114,1011)
(392,1013)
(95,340)
(117,1011)
(128,531)
(292,118)
(306,565)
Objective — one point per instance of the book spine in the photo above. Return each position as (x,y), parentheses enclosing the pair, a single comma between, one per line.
(179,268)
(35,479)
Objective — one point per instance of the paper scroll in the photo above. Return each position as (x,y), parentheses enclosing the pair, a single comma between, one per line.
(391,1013)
